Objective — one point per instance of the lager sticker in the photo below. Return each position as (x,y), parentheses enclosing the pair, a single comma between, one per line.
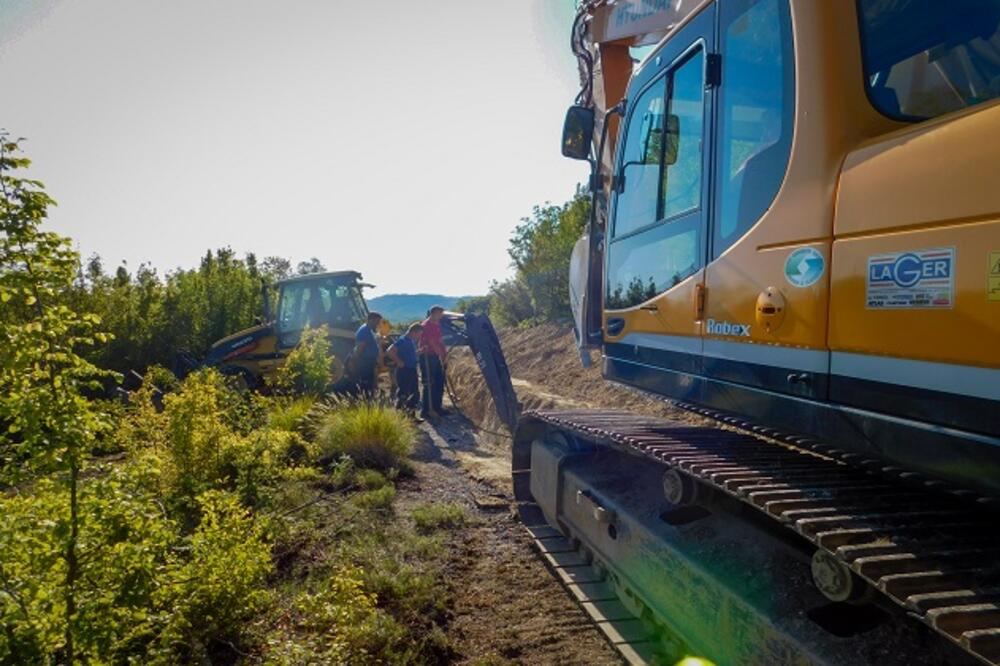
(918,279)
(993,277)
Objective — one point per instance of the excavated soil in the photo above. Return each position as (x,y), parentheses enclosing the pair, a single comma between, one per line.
(547,373)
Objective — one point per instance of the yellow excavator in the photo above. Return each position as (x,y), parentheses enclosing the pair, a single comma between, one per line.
(796,233)
(332,299)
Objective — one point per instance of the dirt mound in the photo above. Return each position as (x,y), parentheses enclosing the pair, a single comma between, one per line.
(547,373)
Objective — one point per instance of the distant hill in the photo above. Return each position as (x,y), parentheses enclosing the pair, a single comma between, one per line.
(405,308)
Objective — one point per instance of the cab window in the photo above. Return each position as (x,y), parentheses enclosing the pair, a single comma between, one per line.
(656,240)
(320,302)
(755,114)
(640,172)
(923,59)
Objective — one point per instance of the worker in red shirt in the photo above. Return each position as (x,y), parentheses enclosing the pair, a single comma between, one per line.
(432,358)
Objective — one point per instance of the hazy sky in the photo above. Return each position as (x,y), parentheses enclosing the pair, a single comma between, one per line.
(404,139)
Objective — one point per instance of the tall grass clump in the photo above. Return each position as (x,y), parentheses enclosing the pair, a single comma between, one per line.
(373,435)
(290,414)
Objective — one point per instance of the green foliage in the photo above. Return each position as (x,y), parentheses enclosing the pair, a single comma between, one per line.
(168,553)
(436,515)
(378,500)
(153,317)
(337,623)
(219,587)
(126,542)
(198,442)
(161,378)
(540,252)
(474,304)
(372,435)
(290,414)
(46,423)
(510,302)
(308,368)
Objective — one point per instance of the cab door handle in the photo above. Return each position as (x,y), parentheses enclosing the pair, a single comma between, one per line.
(649,308)
(699,302)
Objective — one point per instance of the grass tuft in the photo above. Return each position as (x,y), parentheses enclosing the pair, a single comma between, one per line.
(289,415)
(435,516)
(373,436)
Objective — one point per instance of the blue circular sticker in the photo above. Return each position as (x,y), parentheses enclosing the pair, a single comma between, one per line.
(804,267)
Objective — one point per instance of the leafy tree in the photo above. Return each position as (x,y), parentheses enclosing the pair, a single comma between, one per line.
(474,304)
(313,265)
(540,250)
(46,422)
(510,302)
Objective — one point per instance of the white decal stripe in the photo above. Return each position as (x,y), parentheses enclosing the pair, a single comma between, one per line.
(946,377)
(810,360)
(685,344)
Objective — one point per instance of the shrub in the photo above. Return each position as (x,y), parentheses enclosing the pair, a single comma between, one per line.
(308,368)
(219,587)
(339,623)
(196,435)
(372,435)
(129,544)
(161,377)
(434,516)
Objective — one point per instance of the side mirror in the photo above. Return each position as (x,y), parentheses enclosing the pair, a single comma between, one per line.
(578,132)
(673,140)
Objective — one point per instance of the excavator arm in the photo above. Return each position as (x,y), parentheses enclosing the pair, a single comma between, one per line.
(476,332)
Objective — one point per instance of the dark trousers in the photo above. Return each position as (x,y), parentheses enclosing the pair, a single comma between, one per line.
(432,374)
(407,388)
(365,379)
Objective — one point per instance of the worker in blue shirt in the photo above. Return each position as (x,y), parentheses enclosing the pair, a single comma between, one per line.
(403,353)
(363,363)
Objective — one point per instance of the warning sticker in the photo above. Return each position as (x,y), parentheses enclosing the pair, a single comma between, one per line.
(993,277)
(915,279)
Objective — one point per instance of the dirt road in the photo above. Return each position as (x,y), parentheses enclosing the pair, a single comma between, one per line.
(507,608)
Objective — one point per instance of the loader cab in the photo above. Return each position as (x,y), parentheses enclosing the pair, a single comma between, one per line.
(333,300)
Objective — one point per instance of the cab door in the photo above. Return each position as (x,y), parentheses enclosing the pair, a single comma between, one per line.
(655,257)
(767,281)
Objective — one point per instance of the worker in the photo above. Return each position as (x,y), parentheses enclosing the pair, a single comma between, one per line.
(432,360)
(363,362)
(403,353)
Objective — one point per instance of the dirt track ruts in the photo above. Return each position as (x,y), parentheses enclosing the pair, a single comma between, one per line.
(506,607)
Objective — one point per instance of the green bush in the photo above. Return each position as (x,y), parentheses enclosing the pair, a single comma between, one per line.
(128,547)
(309,367)
(372,435)
(434,516)
(161,378)
(197,436)
(338,623)
(219,587)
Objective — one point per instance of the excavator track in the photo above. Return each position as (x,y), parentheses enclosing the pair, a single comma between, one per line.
(934,552)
